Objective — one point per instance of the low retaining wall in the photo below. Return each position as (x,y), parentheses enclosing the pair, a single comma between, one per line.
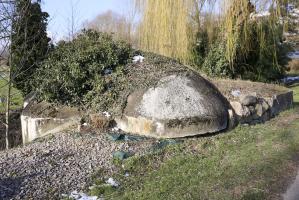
(41,119)
(250,109)
(33,128)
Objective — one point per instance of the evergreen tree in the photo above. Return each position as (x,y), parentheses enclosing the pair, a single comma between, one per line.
(30,43)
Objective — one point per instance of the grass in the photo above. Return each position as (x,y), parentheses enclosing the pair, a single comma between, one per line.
(249,162)
(295,89)
(16,96)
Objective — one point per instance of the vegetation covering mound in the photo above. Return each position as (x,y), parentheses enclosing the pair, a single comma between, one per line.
(96,72)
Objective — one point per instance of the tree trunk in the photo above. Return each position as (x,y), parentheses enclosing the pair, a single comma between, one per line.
(8,97)
(7,110)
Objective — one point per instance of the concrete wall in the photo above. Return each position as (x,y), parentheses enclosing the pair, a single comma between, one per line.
(41,119)
(33,127)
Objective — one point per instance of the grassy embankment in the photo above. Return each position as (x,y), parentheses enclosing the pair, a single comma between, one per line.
(249,162)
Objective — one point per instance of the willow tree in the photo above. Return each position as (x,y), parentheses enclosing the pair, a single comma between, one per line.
(230,33)
(250,29)
(164,27)
(238,26)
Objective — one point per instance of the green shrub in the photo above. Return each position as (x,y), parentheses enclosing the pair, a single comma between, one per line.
(76,72)
(215,63)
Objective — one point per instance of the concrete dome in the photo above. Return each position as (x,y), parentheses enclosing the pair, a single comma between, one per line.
(177,106)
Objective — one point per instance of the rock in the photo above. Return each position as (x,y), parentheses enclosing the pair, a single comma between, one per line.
(243,113)
(252,110)
(265,105)
(248,100)
(233,121)
(177,106)
(266,116)
(259,110)
(240,110)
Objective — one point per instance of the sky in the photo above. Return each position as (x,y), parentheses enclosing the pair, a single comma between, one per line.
(60,12)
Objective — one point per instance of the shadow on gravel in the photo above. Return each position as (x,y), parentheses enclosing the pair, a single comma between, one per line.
(10,187)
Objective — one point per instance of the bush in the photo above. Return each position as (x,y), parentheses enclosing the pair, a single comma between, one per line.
(215,63)
(77,72)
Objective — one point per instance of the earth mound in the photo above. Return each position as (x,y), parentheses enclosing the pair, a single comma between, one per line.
(173,101)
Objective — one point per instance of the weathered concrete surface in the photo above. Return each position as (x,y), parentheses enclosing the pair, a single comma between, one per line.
(178,106)
(280,102)
(41,119)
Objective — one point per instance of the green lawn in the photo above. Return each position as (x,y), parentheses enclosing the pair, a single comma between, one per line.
(16,96)
(249,162)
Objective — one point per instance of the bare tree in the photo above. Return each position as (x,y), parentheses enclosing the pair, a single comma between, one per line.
(114,23)
(73,20)
(6,19)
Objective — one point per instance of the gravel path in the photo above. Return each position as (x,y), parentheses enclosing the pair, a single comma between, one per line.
(58,165)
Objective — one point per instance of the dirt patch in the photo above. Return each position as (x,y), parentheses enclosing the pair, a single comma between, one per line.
(293,65)
(265,90)
(287,120)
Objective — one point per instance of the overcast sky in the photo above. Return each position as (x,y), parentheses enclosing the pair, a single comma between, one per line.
(60,12)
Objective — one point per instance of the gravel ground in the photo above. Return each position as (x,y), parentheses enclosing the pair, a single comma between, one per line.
(58,164)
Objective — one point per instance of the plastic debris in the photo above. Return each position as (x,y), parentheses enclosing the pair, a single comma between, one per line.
(112,182)
(236,93)
(290,79)
(106,114)
(107,71)
(138,59)
(81,196)
(293,55)
(127,174)
(115,129)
